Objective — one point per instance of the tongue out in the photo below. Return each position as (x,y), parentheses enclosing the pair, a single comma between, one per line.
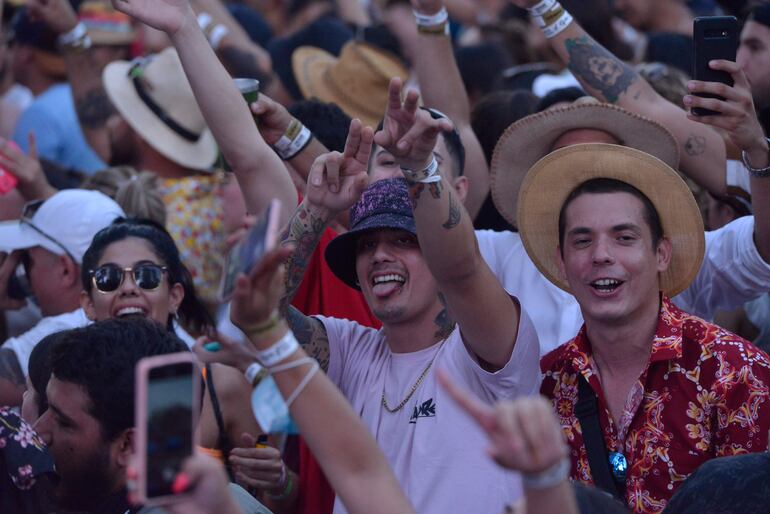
(385,288)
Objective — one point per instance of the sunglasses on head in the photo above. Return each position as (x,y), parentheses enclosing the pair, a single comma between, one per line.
(109,277)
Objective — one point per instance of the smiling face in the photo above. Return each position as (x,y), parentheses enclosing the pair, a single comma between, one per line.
(608,258)
(394,276)
(129,299)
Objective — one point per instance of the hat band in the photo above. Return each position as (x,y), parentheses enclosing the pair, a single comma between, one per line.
(162,114)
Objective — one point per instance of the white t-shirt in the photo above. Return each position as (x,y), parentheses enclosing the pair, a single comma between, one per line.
(732,274)
(436,451)
(23,345)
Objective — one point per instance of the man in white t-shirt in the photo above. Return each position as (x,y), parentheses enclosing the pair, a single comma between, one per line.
(50,239)
(422,275)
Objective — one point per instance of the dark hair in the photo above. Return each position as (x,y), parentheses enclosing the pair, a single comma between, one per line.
(562,94)
(611,185)
(495,112)
(328,123)
(193,314)
(591,500)
(101,358)
(40,367)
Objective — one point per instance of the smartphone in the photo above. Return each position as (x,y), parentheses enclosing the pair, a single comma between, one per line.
(261,238)
(714,37)
(8,180)
(167,400)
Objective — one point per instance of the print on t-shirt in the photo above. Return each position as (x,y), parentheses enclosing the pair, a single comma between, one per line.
(426,409)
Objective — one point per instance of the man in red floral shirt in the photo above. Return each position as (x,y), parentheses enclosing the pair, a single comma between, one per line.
(673,390)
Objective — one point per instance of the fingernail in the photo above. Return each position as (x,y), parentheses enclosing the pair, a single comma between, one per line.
(691,85)
(333,188)
(687,99)
(181,483)
(212,347)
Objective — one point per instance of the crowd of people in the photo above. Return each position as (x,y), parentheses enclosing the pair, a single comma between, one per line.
(515,271)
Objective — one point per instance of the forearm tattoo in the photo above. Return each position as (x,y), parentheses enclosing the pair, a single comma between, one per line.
(455,213)
(10,369)
(94,108)
(303,230)
(596,66)
(695,145)
(311,334)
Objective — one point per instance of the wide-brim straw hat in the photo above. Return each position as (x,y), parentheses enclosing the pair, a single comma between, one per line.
(551,180)
(529,139)
(154,97)
(357,81)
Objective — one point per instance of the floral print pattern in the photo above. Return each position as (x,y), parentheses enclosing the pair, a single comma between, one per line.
(25,454)
(704,394)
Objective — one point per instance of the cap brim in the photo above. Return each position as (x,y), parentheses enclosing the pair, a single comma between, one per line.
(199,155)
(14,236)
(529,139)
(340,254)
(551,180)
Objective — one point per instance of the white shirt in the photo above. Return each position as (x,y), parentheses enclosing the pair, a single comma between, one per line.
(23,344)
(732,274)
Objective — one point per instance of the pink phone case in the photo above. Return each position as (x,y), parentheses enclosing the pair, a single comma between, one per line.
(143,369)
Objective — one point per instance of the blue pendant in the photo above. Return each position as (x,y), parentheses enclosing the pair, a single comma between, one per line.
(619,465)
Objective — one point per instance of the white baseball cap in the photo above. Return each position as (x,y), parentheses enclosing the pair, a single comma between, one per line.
(64,224)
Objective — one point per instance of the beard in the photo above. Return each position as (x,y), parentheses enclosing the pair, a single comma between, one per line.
(85,485)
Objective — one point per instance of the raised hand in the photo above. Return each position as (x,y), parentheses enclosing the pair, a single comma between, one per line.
(273,117)
(57,14)
(524,433)
(738,116)
(224,351)
(336,180)
(409,133)
(258,467)
(32,182)
(165,15)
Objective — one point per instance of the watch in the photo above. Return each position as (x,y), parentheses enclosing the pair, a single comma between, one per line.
(756,172)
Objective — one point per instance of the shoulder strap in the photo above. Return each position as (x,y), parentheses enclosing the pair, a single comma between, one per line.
(587,412)
(223,440)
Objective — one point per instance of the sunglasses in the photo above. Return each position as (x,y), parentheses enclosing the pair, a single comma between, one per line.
(109,277)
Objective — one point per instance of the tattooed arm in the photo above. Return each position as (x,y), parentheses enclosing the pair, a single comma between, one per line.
(701,149)
(12,381)
(486,314)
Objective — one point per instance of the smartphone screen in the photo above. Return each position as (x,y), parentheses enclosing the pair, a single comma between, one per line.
(170,405)
(714,37)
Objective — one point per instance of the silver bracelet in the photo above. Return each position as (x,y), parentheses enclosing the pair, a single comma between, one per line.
(756,172)
(548,478)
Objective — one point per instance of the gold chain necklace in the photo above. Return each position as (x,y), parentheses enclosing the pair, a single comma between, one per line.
(414,386)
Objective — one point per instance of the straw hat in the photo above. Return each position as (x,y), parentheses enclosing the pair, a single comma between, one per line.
(532,137)
(357,81)
(155,98)
(552,179)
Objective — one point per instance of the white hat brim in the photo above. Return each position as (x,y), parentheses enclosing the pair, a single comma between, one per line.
(14,236)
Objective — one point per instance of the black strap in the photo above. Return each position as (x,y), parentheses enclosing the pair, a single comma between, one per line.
(587,412)
(223,440)
(162,114)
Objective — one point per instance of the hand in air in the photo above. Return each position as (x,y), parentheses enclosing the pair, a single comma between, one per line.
(165,15)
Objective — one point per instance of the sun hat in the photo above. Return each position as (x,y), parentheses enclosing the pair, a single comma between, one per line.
(384,204)
(105,25)
(153,95)
(63,224)
(357,81)
(551,180)
(530,138)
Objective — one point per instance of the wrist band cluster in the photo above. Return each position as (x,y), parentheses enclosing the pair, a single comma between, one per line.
(433,24)
(293,141)
(548,478)
(255,331)
(255,373)
(279,351)
(76,39)
(755,172)
(287,485)
(428,175)
(214,32)
(551,17)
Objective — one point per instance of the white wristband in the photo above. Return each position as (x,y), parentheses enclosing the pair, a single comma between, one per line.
(553,30)
(291,144)
(283,348)
(218,33)
(541,8)
(252,372)
(431,20)
(428,175)
(73,36)
(204,20)
(548,478)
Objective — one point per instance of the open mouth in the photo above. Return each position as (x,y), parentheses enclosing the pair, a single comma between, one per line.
(383,285)
(606,285)
(130,311)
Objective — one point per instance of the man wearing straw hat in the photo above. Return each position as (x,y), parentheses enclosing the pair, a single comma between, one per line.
(619,230)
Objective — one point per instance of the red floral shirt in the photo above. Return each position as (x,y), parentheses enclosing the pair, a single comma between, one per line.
(704,394)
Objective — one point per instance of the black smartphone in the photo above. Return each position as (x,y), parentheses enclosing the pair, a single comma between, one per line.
(714,37)
(167,392)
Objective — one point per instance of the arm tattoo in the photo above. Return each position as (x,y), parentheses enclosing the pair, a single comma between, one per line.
(304,230)
(94,108)
(10,369)
(695,145)
(311,334)
(444,322)
(417,188)
(596,66)
(455,213)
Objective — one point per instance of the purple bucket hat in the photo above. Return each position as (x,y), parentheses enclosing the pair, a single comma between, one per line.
(384,204)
